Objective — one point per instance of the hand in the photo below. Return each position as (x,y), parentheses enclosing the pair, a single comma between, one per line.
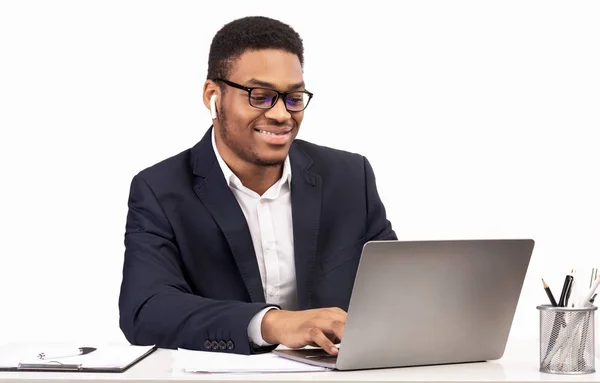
(294,329)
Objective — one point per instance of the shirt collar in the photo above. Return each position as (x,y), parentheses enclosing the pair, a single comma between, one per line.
(233,180)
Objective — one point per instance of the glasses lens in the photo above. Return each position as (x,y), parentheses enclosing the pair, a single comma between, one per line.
(296,101)
(262,98)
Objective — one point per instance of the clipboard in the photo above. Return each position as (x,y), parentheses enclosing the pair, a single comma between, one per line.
(130,355)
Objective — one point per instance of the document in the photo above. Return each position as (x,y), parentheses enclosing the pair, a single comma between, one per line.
(216,362)
(70,357)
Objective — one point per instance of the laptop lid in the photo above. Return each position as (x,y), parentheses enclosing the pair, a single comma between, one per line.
(433,302)
(430,302)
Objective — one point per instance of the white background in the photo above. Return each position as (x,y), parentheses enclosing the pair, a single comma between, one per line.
(479,118)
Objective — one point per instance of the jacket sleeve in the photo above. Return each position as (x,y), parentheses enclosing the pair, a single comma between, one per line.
(156,304)
(378,226)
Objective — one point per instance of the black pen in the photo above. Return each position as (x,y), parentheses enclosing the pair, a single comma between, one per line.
(559,317)
(65,353)
(549,293)
(566,291)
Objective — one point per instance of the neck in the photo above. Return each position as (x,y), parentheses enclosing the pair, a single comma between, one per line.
(258,178)
(255,177)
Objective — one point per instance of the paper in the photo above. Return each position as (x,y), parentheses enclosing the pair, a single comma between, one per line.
(104,357)
(216,362)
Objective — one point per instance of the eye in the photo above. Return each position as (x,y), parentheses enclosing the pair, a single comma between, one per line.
(296,99)
(262,96)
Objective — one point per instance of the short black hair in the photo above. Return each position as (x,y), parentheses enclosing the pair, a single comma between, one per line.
(250,33)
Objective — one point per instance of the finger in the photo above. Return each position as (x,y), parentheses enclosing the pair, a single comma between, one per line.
(330,335)
(333,338)
(337,327)
(313,344)
(318,337)
(329,327)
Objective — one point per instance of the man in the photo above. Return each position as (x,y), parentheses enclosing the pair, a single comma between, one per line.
(251,238)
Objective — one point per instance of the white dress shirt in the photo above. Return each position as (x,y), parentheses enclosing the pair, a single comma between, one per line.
(269,219)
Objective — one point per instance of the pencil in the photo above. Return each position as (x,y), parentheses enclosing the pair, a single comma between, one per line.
(549,293)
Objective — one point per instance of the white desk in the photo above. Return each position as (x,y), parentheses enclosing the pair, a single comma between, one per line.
(519,364)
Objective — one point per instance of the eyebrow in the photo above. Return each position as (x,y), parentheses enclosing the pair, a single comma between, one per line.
(265,84)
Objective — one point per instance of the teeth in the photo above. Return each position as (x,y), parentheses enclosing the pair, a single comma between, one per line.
(270,133)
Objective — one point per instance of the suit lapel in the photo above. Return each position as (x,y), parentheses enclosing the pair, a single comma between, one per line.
(210,186)
(306,212)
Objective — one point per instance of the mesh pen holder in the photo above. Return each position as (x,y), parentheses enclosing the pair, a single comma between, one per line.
(567,340)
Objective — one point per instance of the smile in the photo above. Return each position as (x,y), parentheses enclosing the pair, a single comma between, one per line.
(271,133)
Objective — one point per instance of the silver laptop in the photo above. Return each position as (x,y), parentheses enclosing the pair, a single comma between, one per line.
(428,302)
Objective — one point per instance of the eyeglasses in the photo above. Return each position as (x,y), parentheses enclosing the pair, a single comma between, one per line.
(265,98)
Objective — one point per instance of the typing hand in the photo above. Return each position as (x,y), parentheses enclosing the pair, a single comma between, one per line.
(294,329)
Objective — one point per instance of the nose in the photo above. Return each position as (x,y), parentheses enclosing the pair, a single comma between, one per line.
(278,112)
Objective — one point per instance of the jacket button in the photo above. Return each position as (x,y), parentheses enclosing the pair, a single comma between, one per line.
(215,345)
(222,345)
(230,345)
(207,344)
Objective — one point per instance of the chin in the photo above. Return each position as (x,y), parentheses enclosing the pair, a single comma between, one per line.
(269,161)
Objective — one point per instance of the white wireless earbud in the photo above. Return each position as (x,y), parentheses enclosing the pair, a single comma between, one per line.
(213,108)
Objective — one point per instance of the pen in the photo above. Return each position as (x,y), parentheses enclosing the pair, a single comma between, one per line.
(591,292)
(549,293)
(65,353)
(584,334)
(566,291)
(572,296)
(559,319)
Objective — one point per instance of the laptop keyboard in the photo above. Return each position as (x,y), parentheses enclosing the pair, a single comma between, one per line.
(323,358)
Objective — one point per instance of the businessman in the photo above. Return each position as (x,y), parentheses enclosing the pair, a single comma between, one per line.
(251,238)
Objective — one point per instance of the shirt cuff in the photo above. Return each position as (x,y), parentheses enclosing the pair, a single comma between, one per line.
(254,332)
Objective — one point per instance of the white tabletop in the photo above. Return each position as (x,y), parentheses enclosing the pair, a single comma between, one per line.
(519,364)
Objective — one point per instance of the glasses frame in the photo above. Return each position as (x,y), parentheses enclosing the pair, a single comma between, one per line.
(282,95)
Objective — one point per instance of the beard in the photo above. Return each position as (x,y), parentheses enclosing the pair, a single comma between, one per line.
(246,153)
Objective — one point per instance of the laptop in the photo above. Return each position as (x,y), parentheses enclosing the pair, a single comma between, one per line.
(418,303)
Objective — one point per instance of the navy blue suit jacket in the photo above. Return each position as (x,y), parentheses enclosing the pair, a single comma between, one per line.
(190,274)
